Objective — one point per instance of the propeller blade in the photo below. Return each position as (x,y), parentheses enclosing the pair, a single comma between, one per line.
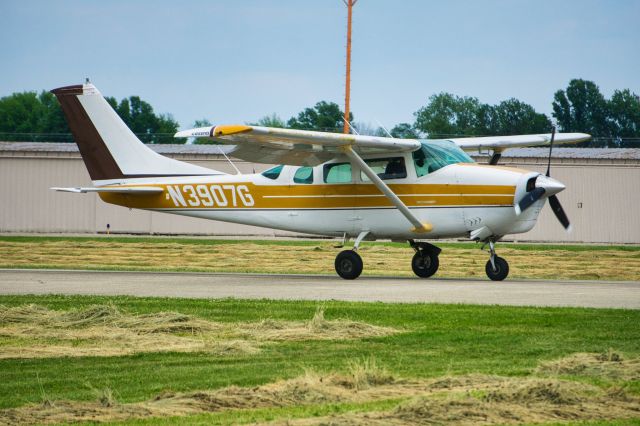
(553,136)
(529,199)
(559,212)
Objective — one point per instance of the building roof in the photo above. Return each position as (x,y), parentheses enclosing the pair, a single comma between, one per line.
(213,150)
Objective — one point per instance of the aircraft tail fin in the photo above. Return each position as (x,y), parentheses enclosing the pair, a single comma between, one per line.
(108,147)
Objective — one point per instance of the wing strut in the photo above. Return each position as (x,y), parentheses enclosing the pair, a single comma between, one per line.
(418,227)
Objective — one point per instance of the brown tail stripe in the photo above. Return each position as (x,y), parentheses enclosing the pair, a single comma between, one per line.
(97,158)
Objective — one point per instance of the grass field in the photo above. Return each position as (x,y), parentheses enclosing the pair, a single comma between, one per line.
(310,257)
(304,363)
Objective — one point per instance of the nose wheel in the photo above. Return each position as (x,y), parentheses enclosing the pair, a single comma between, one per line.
(497,268)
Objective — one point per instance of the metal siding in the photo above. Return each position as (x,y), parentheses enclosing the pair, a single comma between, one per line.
(608,194)
(30,206)
(609,198)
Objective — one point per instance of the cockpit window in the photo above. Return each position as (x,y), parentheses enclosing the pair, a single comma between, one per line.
(303,175)
(435,154)
(273,173)
(337,173)
(386,168)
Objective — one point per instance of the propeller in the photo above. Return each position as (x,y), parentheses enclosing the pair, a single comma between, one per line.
(542,187)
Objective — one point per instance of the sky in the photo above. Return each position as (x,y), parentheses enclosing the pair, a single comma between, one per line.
(233,61)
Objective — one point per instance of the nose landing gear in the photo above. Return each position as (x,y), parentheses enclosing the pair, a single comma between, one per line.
(496,268)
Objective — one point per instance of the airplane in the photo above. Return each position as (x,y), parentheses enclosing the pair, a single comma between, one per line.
(328,184)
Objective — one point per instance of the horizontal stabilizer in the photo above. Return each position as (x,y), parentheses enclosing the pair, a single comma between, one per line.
(124,190)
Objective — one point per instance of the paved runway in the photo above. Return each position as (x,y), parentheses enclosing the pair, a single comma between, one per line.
(598,294)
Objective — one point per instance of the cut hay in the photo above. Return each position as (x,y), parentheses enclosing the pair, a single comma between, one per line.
(32,331)
(310,388)
(515,401)
(173,255)
(104,315)
(317,328)
(607,365)
(368,373)
(468,401)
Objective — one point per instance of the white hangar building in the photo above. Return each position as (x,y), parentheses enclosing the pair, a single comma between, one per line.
(602,198)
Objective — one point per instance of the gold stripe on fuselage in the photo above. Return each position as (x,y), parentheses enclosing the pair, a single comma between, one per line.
(246,195)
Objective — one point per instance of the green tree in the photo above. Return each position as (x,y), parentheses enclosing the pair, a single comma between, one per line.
(582,108)
(272,120)
(448,115)
(32,117)
(138,115)
(624,109)
(512,117)
(404,131)
(324,116)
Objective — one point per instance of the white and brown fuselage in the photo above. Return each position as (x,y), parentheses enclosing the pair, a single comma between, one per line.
(457,200)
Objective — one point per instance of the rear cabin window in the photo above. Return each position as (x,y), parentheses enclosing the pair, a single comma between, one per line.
(303,175)
(337,173)
(273,173)
(386,168)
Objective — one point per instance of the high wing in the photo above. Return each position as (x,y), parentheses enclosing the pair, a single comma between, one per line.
(303,147)
(500,143)
(295,147)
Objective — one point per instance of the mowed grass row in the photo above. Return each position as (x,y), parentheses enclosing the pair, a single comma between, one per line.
(436,340)
(457,260)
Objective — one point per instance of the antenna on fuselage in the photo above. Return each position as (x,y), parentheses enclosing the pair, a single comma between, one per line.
(384,128)
(352,128)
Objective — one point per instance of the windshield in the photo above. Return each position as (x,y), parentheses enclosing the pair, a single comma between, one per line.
(435,154)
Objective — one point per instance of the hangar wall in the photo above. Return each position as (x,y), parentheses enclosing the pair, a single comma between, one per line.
(602,198)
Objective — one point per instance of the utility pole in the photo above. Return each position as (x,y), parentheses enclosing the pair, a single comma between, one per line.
(347,93)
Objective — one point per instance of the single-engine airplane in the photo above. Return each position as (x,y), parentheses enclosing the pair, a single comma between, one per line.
(330,184)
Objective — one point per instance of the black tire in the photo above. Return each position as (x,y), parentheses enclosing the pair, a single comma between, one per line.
(425,264)
(502,269)
(348,264)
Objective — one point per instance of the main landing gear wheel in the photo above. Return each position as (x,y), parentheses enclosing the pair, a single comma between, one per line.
(424,264)
(500,271)
(348,264)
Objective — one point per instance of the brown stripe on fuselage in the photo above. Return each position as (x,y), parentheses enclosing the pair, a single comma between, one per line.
(315,196)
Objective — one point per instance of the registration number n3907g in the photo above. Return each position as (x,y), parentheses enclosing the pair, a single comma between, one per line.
(210,195)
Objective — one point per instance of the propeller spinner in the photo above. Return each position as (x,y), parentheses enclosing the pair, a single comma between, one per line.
(545,185)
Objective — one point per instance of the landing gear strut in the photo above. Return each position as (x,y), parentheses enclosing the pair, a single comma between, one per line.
(425,262)
(496,268)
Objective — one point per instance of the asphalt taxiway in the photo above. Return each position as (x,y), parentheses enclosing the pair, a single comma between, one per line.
(597,294)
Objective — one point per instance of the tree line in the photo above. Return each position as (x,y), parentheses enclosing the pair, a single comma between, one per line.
(37,117)
(581,107)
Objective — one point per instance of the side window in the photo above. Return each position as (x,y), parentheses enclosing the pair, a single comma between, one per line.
(303,175)
(337,173)
(420,161)
(386,168)
(273,173)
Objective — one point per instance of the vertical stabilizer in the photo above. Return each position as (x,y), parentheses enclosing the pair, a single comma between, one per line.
(108,147)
